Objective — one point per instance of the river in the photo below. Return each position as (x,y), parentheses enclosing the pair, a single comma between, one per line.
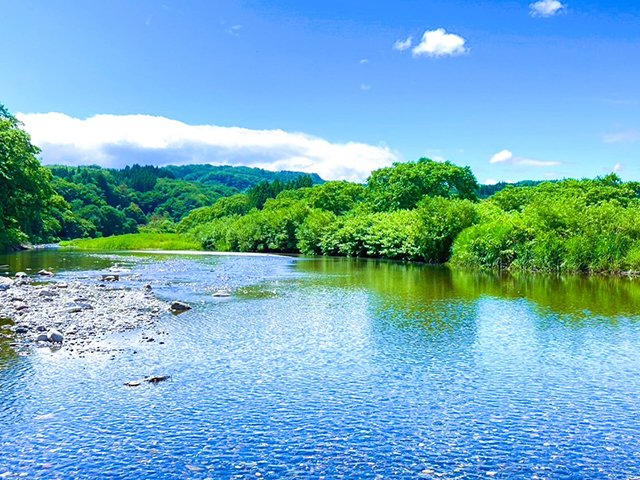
(335,368)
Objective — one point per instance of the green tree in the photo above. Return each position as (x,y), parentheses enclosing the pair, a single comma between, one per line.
(24,184)
(403,185)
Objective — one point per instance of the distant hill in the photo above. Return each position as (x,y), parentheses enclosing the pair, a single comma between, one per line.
(486,191)
(241,178)
(107,201)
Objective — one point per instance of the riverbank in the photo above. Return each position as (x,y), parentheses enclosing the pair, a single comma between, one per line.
(72,315)
(136,241)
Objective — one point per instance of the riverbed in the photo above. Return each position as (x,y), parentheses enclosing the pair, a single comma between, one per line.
(332,368)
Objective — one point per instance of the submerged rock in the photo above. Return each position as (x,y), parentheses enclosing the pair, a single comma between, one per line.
(180,307)
(221,293)
(110,278)
(157,379)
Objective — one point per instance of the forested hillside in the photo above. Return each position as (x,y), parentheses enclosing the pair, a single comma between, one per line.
(45,204)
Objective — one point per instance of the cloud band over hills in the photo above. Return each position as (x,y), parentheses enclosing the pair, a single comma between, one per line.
(117,140)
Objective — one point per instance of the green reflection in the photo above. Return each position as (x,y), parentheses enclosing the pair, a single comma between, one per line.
(415,284)
(31,261)
(7,353)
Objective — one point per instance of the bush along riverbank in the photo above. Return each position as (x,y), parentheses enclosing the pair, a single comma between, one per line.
(429,212)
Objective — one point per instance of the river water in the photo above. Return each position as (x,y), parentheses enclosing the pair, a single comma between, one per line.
(335,368)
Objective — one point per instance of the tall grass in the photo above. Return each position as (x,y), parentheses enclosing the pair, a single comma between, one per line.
(137,241)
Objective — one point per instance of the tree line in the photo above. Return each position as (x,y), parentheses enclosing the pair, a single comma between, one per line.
(415,211)
(47,204)
(431,212)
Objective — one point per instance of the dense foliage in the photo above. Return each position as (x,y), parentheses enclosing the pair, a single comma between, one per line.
(342,218)
(428,211)
(570,226)
(26,192)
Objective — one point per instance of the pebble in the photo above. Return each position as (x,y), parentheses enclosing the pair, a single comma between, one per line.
(82,310)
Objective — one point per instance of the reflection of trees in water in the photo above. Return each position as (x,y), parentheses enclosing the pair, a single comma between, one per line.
(32,261)
(7,353)
(13,371)
(424,291)
(404,299)
(573,295)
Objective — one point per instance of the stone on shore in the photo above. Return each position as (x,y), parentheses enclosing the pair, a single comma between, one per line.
(21,278)
(55,336)
(36,310)
(46,273)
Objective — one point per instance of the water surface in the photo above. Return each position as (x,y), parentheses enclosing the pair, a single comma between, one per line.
(336,368)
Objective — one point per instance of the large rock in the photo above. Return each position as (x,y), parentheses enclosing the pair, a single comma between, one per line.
(54,336)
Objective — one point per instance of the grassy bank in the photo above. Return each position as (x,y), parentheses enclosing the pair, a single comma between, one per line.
(136,241)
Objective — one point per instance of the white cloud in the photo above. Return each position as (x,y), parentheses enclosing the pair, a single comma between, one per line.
(626,136)
(619,167)
(505,157)
(402,45)
(546,8)
(364,87)
(116,141)
(438,43)
(234,30)
(490,181)
(363,61)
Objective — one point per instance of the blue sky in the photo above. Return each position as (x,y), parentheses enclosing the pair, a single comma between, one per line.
(513,89)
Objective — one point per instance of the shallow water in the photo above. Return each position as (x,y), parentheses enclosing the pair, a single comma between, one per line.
(336,368)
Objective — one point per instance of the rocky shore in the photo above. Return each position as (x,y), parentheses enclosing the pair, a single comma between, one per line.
(72,315)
